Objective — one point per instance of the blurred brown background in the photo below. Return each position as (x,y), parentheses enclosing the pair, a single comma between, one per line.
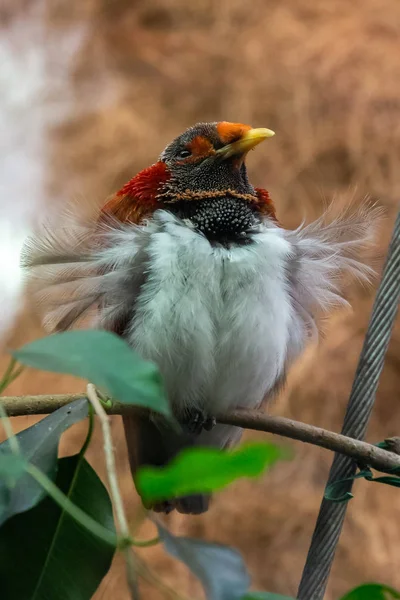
(123,78)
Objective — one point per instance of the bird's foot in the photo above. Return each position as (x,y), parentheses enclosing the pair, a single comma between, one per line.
(165,507)
(197,420)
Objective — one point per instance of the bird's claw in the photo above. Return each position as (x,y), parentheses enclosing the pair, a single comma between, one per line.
(198,420)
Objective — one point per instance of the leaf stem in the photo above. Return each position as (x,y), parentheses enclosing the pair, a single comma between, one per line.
(16,374)
(7,378)
(115,491)
(10,375)
(146,543)
(89,432)
(6,422)
(7,374)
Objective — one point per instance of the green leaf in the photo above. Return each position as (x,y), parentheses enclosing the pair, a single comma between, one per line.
(337,491)
(205,470)
(104,359)
(220,569)
(372,591)
(12,466)
(265,596)
(39,446)
(45,554)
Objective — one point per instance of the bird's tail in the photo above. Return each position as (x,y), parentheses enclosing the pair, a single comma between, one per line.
(154,443)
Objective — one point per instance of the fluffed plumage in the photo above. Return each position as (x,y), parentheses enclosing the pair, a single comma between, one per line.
(199,277)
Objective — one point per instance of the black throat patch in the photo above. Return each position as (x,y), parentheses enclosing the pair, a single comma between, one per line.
(224,220)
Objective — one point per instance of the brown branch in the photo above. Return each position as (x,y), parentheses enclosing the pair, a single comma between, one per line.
(362,452)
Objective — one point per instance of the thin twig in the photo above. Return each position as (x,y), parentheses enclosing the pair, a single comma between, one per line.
(115,491)
(362,452)
(8,430)
(10,374)
(7,377)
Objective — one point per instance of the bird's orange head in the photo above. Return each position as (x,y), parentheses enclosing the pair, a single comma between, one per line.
(202,170)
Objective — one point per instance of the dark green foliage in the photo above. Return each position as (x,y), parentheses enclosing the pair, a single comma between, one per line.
(372,591)
(38,445)
(45,554)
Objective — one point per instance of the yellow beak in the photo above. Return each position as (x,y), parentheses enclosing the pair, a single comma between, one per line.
(248,140)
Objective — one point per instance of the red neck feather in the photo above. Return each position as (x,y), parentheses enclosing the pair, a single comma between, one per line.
(266,205)
(145,185)
(137,199)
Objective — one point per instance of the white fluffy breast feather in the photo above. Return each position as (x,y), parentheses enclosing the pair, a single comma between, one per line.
(216,320)
(222,323)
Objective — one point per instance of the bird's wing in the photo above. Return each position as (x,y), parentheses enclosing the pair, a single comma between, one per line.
(76,267)
(324,253)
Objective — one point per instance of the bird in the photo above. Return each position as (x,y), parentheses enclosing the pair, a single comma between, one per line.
(190,265)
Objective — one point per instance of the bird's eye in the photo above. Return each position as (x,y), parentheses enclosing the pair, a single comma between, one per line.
(184,153)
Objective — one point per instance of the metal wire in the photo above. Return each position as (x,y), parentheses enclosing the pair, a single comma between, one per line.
(331,515)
